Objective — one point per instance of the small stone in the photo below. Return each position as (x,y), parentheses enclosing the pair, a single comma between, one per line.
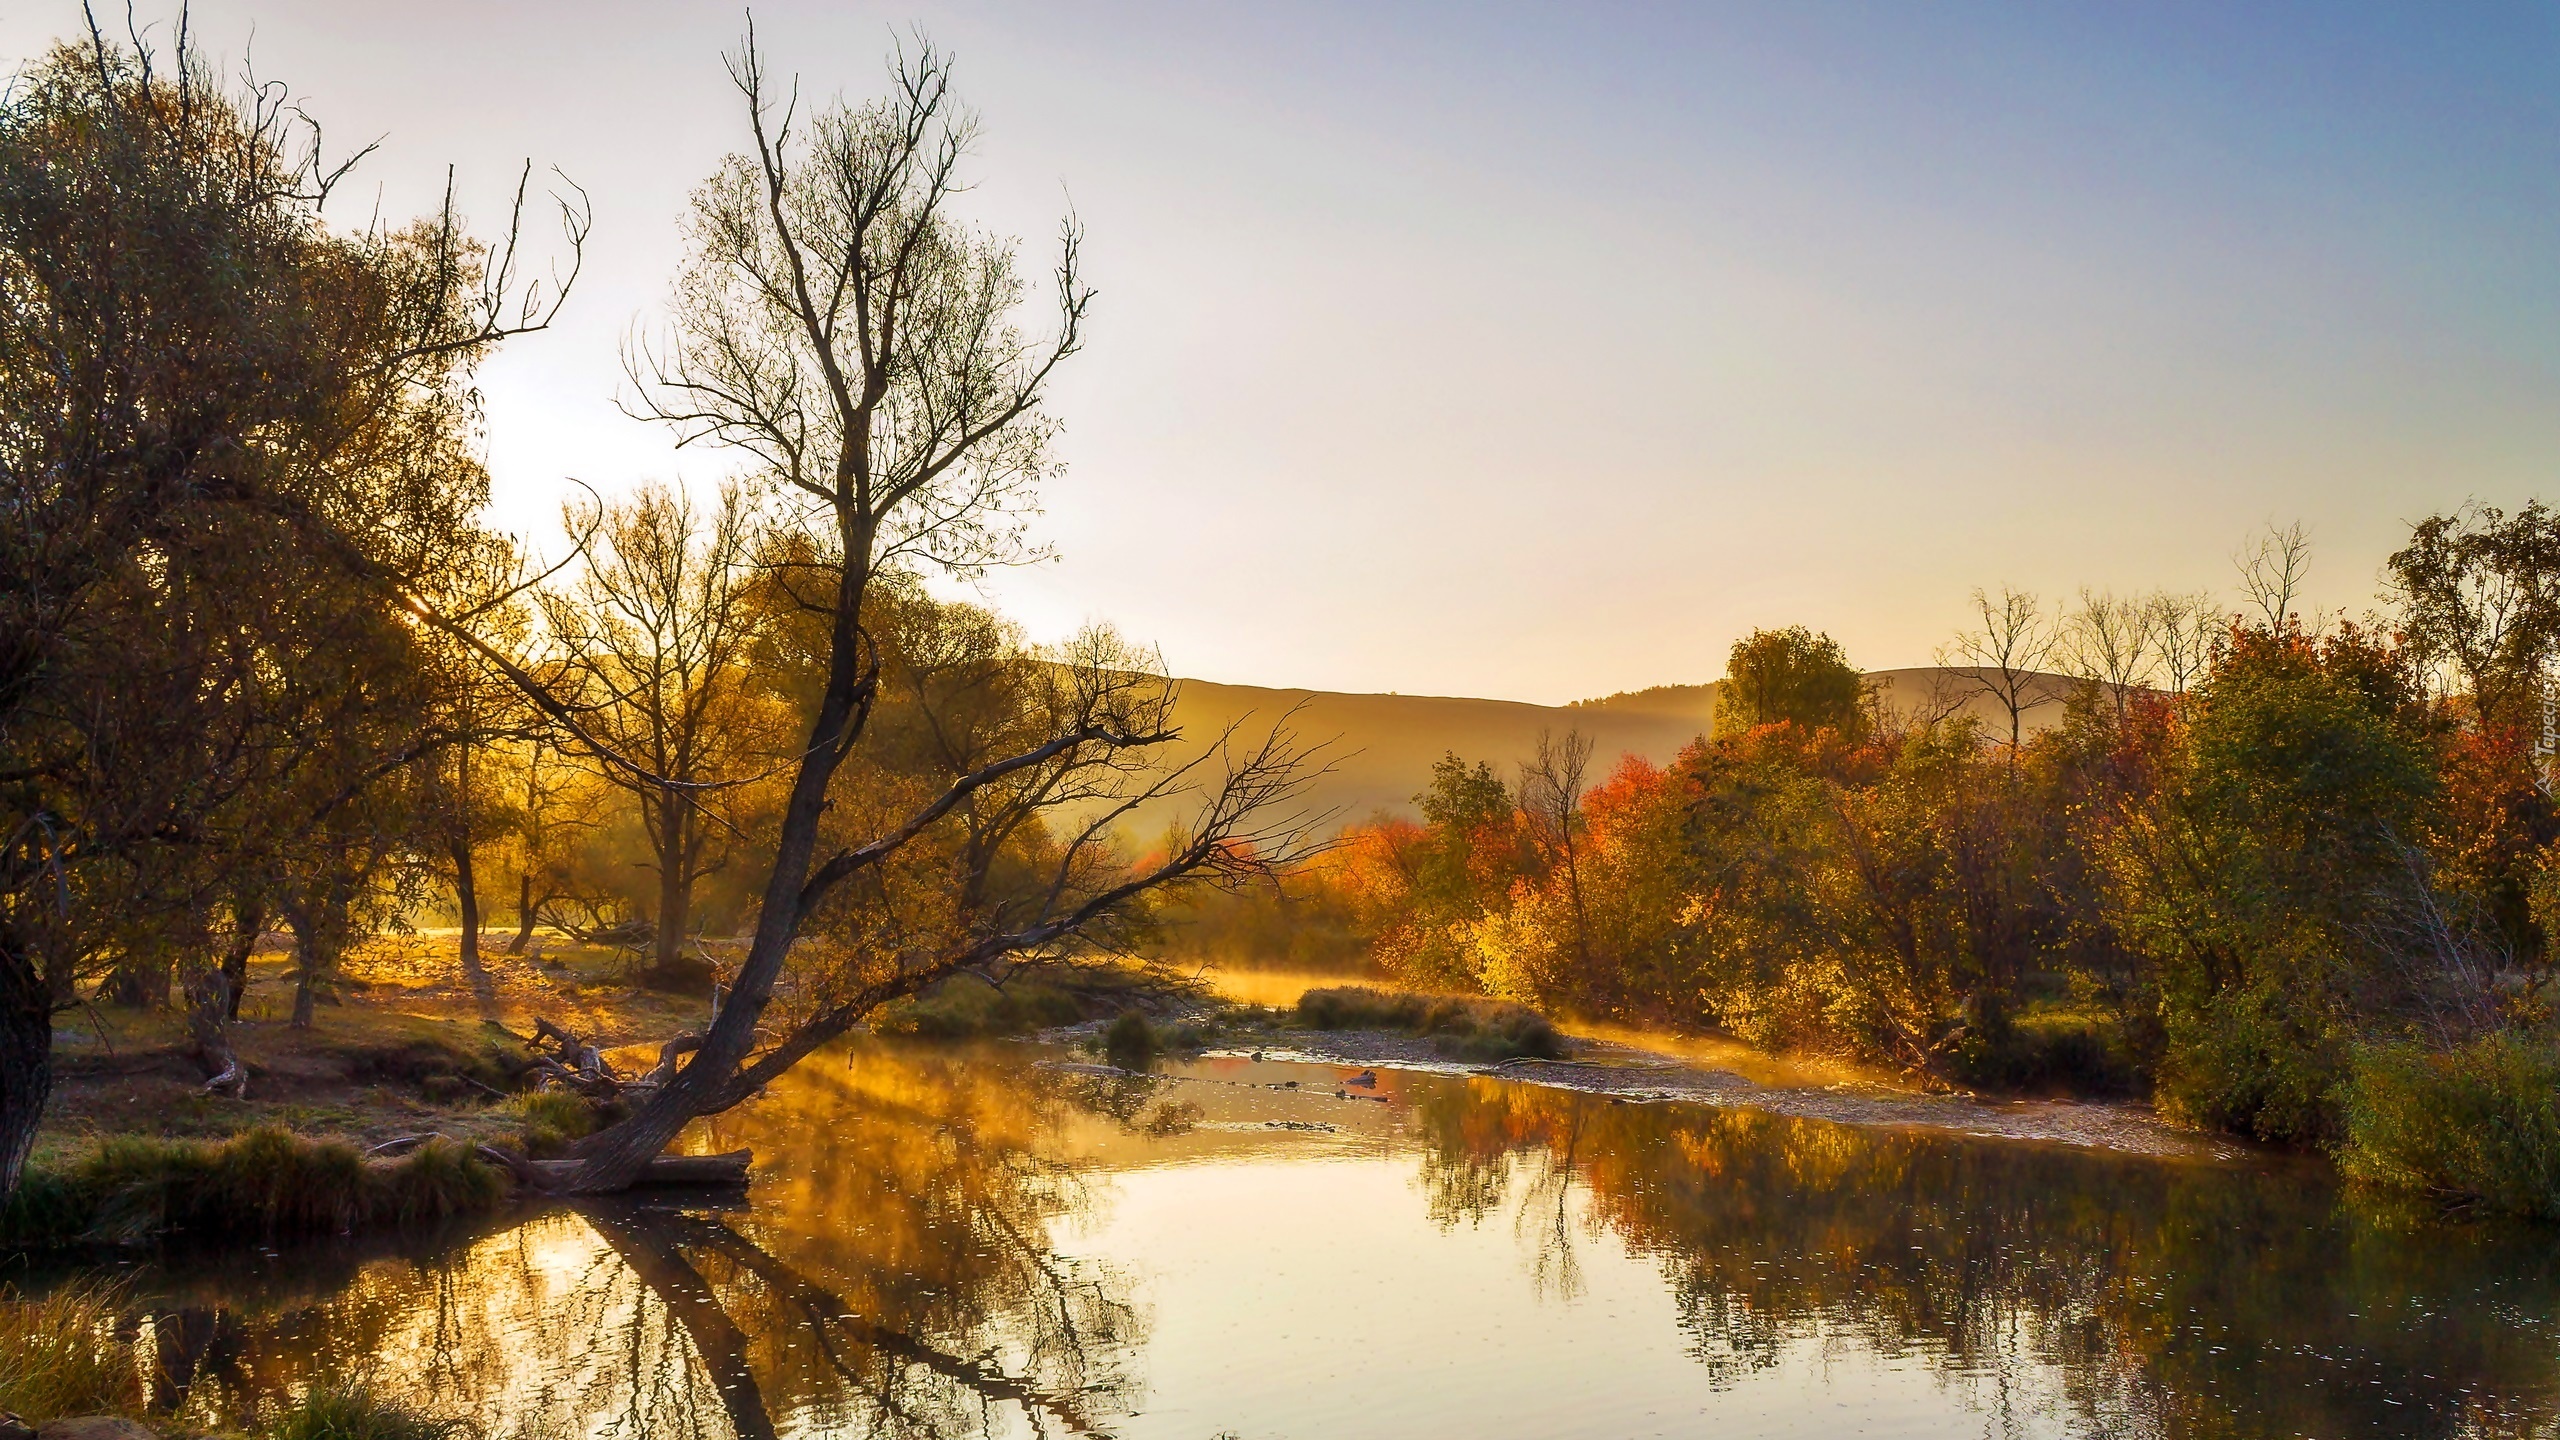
(95,1427)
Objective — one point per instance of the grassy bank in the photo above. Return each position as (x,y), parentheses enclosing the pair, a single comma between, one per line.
(966,1007)
(133,1149)
(264,1185)
(1464,1027)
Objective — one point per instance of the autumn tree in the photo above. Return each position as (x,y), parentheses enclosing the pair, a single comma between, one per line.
(839,329)
(2183,629)
(213,408)
(2111,642)
(466,797)
(1792,675)
(2273,566)
(2479,591)
(661,629)
(1552,781)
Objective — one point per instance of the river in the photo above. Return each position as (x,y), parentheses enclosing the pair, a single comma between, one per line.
(999,1240)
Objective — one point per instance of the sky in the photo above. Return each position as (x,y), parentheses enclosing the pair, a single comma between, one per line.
(1540,352)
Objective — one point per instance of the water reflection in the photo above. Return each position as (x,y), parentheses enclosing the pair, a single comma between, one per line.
(893,1277)
(2175,1299)
(967,1243)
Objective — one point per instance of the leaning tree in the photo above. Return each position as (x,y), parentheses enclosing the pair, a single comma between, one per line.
(842,330)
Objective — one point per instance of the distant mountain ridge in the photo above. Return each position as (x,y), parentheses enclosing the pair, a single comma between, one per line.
(1383,746)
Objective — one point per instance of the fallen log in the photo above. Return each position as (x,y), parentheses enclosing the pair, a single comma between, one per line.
(725,1169)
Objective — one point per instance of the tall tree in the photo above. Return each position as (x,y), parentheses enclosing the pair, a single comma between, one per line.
(2111,642)
(837,325)
(1551,785)
(2479,591)
(2183,631)
(1792,675)
(2007,656)
(2273,565)
(660,623)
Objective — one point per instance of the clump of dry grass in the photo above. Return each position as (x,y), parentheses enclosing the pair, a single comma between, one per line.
(265,1182)
(60,1355)
(350,1411)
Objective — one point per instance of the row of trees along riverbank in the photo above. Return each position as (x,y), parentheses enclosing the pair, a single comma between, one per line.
(2295,879)
(263,664)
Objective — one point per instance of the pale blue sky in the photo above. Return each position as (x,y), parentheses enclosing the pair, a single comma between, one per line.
(1539,351)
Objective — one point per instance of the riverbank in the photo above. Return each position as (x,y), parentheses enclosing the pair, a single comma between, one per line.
(422,1044)
(415,1043)
(1193,1252)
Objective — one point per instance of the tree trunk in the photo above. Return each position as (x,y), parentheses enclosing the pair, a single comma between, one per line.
(524,914)
(669,967)
(466,898)
(207,1012)
(674,900)
(26,1058)
(615,1156)
(139,985)
(310,962)
(235,961)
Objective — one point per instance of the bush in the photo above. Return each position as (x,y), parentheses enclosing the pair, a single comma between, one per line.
(265,1182)
(2053,1052)
(964,1007)
(59,1355)
(2480,1123)
(353,1412)
(551,1119)
(1131,1043)
(1463,1026)
(2253,1064)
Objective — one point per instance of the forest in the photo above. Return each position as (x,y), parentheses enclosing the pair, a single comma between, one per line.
(2293,877)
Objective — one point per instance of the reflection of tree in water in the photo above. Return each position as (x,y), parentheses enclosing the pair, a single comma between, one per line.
(894,1278)
(2163,1298)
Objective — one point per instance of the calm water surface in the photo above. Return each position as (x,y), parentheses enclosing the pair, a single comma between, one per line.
(988,1241)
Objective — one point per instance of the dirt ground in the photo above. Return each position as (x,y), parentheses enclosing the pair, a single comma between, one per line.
(413,1043)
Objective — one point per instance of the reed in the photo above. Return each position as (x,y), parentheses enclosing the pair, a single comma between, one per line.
(60,1355)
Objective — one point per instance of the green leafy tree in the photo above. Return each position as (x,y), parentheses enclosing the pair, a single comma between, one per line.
(2256,890)
(1795,676)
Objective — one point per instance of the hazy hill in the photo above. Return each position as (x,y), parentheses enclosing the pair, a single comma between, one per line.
(1384,745)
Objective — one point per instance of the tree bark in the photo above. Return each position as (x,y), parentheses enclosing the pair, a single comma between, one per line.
(207,1013)
(727,1168)
(614,1157)
(26,1058)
